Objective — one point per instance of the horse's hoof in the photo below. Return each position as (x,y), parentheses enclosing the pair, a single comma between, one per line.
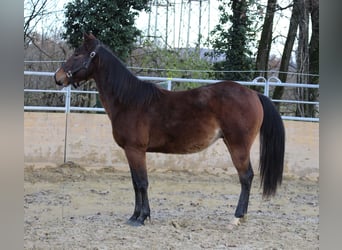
(234,223)
(237,221)
(135,223)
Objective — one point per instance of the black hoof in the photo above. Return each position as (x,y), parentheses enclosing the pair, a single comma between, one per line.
(135,222)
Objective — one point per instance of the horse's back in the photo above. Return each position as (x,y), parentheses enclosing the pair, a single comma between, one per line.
(224,101)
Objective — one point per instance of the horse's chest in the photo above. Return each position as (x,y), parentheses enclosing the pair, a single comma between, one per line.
(125,134)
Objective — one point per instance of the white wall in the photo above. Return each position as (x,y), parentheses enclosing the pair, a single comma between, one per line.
(90,144)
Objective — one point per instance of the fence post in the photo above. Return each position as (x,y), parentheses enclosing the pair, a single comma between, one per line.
(277,80)
(263,79)
(67,111)
(67,98)
(169,84)
(267,88)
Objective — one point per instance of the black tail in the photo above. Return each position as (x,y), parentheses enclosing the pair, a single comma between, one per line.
(272,148)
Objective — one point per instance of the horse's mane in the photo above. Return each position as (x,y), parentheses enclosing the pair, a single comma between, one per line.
(125,86)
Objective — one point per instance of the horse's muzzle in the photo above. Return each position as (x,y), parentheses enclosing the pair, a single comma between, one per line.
(57,82)
(60,77)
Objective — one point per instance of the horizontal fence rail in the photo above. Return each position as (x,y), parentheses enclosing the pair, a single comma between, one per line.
(259,81)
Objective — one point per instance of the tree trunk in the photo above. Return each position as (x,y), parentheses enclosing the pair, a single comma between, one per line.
(314,55)
(265,40)
(303,55)
(285,59)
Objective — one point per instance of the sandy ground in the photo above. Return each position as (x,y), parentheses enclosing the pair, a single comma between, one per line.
(72,208)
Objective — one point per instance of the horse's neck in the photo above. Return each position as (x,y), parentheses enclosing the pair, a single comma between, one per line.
(119,87)
(104,88)
(104,84)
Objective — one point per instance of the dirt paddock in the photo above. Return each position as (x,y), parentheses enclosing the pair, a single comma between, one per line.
(69,207)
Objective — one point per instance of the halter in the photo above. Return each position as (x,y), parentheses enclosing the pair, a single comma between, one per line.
(84,65)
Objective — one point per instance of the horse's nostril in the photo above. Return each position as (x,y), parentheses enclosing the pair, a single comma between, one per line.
(58,81)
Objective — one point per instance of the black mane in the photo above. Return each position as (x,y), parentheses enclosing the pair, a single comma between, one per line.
(126,87)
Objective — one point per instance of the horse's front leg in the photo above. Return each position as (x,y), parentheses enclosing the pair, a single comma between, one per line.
(137,163)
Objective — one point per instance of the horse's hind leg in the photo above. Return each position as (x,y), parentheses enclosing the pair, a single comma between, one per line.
(240,157)
(246,182)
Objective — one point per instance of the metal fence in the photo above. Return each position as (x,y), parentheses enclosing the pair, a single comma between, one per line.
(167,83)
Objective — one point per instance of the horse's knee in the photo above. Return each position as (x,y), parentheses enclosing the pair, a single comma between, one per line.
(142,185)
(140,179)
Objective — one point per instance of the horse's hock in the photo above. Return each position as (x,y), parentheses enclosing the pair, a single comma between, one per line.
(90,144)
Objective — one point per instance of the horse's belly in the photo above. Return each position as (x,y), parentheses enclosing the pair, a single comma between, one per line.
(192,147)
(186,144)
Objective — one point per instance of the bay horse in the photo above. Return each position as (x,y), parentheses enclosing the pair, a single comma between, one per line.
(147,118)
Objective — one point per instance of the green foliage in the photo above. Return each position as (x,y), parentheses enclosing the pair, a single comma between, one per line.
(177,63)
(110,21)
(232,37)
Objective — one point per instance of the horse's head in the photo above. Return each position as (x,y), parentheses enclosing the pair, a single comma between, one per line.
(79,66)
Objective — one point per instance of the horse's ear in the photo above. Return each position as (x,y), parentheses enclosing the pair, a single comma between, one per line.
(92,36)
(89,37)
(85,36)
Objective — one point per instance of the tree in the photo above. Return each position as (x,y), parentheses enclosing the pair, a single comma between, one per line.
(302,55)
(287,51)
(306,55)
(234,41)
(313,55)
(34,11)
(110,21)
(152,60)
(314,42)
(265,42)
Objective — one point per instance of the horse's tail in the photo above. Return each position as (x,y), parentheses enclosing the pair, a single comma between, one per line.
(272,148)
